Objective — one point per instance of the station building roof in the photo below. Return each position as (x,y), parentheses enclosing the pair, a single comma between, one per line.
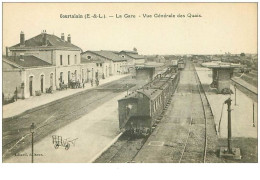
(26,61)
(53,42)
(108,55)
(84,60)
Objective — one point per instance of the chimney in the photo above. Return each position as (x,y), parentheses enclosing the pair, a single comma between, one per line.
(22,42)
(44,38)
(62,37)
(6,51)
(69,39)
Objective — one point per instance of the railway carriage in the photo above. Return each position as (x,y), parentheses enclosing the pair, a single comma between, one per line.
(181,64)
(139,110)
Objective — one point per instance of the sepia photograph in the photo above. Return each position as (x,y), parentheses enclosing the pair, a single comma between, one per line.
(129,82)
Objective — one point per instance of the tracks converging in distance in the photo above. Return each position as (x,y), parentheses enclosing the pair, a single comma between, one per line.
(192,139)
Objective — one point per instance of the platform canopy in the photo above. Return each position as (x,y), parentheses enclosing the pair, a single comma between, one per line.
(222,73)
(149,65)
(221,65)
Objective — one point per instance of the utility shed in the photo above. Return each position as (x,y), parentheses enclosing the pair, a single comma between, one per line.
(221,75)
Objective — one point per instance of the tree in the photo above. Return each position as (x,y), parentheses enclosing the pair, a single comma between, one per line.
(242,54)
(134,49)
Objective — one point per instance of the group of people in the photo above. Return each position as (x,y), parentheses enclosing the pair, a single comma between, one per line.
(77,84)
(96,81)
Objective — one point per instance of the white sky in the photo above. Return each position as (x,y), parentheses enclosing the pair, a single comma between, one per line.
(224,27)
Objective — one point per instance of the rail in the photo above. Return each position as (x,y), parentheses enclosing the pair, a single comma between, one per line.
(204,112)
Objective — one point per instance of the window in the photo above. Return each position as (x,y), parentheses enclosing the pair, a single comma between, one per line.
(61,60)
(100,64)
(21,57)
(97,64)
(89,57)
(68,59)
(75,59)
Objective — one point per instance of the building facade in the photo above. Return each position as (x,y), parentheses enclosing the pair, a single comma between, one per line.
(56,51)
(26,77)
(105,63)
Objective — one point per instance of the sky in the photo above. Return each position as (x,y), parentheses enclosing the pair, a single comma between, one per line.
(222,27)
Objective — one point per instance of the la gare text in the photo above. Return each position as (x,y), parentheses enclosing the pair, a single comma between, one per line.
(129,16)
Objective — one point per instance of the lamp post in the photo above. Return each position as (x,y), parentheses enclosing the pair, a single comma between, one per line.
(32,130)
(228,102)
(235,86)
(253,114)
(229,152)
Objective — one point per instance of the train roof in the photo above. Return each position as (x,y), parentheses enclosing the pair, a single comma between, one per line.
(132,95)
(150,92)
(168,76)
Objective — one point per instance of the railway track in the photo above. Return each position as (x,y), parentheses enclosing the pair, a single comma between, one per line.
(125,149)
(17,144)
(193,139)
(124,153)
(103,87)
(192,144)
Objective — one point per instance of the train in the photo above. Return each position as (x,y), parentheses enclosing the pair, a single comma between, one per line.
(181,64)
(174,62)
(139,110)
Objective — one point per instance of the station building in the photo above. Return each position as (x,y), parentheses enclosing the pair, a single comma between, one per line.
(103,62)
(45,56)
(25,76)
(133,58)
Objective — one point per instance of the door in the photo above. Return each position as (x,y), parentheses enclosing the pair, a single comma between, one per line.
(68,76)
(61,77)
(87,75)
(42,76)
(82,75)
(31,85)
(76,78)
(51,79)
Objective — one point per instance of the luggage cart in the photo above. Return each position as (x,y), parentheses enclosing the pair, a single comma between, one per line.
(58,141)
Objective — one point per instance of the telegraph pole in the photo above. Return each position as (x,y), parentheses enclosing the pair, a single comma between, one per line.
(253,114)
(32,131)
(235,86)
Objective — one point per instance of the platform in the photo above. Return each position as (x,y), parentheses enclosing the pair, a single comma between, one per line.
(241,114)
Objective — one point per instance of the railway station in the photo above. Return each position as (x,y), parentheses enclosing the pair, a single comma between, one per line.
(119,89)
(174,113)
